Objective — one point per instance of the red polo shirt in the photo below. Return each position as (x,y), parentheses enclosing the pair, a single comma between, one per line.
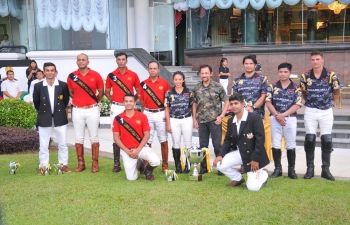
(140,124)
(160,87)
(92,79)
(129,79)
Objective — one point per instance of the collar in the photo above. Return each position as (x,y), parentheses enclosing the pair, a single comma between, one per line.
(210,83)
(54,83)
(245,77)
(244,117)
(117,71)
(136,114)
(323,74)
(279,85)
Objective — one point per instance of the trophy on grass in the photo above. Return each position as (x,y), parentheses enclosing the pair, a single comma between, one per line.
(45,169)
(13,167)
(195,155)
(57,168)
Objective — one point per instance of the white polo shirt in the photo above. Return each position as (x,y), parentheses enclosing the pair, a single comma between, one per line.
(12,87)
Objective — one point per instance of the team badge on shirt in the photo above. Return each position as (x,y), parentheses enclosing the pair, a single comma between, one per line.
(129,78)
(138,121)
(92,79)
(160,87)
(240,82)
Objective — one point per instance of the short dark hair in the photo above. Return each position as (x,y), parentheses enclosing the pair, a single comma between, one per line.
(5,35)
(121,54)
(237,97)
(316,52)
(252,57)
(285,65)
(39,71)
(9,71)
(222,60)
(47,64)
(205,66)
(129,95)
(153,62)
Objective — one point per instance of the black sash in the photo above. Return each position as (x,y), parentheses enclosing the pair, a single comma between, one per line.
(84,86)
(152,95)
(119,83)
(129,128)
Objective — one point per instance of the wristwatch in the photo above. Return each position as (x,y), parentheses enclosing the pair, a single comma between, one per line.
(222,116)
(254,107)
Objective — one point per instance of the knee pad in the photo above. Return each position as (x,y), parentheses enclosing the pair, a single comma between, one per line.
(326,143)
(310,142)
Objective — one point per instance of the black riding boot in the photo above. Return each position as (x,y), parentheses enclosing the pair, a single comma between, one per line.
(327,148)
(291,163)
(276,153)
(309,146)
(177,156)
(203,166)
(116,154)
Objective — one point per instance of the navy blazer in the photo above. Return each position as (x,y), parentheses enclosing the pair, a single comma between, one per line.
(42,104)
(250,141)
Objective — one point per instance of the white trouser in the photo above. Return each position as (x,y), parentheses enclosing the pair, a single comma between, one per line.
(289,132)
(314,117)
(146,153)
(255,179)
(90,117)
(44,138)
(156,121)
(224,83)
(115,111)
(184,126)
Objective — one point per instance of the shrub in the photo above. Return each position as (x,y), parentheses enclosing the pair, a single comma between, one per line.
(17,113)
(14,139)
(105,106)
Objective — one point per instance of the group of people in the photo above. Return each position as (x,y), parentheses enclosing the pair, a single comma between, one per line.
(177,110)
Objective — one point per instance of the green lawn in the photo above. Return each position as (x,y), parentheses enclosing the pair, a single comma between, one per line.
(108,198)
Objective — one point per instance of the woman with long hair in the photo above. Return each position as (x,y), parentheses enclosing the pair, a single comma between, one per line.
(31,72)
(178,113)
(224,73)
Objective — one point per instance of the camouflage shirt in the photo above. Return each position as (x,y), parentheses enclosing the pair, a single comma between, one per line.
(251,88)
(209,101)
(319,91)
(282,99)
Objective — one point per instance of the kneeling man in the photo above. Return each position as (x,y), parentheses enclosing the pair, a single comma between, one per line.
(243,144)
(131,132)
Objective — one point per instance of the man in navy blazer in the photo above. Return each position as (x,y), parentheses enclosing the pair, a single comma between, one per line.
(50,99)
(243,144)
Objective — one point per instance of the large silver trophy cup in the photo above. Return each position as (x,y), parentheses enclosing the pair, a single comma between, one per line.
(195,155)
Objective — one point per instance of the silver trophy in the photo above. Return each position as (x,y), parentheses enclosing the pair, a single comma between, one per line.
(13,167)
(58,168)
(195,155)
(45,169)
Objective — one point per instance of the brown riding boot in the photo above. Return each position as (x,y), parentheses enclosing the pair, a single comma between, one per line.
(165,152)
(80,154)
(95,149)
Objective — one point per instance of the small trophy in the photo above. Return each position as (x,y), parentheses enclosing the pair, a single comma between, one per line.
(13,167)
(57,168)
(171,174)
(195,155)
(45,169)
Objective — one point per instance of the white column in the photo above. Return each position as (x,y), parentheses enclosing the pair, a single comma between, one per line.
(142,24)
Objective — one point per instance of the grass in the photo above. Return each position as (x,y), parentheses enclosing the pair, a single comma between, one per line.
(108,198)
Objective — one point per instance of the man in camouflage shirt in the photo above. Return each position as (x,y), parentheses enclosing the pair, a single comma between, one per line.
(319,86)
(208,111)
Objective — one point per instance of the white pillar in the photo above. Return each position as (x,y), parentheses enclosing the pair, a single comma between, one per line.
(142,24)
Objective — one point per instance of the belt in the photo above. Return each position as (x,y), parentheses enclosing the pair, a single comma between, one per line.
(180,117)
(117,103)
(86,106)
(293,115)
(155,110)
